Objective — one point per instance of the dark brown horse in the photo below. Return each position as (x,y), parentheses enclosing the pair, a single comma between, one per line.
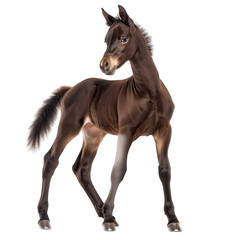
(137,106)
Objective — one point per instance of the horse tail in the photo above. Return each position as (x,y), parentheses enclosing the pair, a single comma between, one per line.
(45,117)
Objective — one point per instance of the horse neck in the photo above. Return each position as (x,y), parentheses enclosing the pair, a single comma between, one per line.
(145,73)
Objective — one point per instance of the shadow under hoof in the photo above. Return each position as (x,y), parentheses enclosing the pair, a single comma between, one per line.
(44,224)
(174,227)
(110,226)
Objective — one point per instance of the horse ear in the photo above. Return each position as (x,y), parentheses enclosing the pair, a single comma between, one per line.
(110,19)
(124,16)
(130,22)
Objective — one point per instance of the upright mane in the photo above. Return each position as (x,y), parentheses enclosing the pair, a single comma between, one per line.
(145,34)
(147,37)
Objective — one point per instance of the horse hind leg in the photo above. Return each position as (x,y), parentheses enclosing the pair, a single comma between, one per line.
(67,130)
(82,166)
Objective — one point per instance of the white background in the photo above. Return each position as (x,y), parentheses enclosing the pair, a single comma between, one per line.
(47,44)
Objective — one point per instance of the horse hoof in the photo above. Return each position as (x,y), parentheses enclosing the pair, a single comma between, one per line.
(174,227)
(44,224)
(110,226)
(116,223)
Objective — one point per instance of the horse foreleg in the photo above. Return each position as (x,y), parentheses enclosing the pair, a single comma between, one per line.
(162,139)
(118,172)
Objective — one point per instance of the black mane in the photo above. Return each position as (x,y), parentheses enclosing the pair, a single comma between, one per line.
(147,37)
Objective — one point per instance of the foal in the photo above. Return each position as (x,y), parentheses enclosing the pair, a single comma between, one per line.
(137,106)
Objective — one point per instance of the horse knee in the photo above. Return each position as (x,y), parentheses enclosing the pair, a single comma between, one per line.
(118,173)
(164,173)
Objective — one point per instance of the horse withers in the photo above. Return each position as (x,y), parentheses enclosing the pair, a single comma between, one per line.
(137,106)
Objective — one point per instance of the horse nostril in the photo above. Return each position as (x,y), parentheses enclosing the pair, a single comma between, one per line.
(105,64)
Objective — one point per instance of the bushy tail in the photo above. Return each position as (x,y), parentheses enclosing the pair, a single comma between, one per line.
(45,117)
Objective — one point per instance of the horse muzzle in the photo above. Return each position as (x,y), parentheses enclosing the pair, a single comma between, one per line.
(109,65)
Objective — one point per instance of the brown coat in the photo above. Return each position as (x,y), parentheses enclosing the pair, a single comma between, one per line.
(136,106)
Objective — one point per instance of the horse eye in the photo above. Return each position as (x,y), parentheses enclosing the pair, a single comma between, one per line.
(123,40)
